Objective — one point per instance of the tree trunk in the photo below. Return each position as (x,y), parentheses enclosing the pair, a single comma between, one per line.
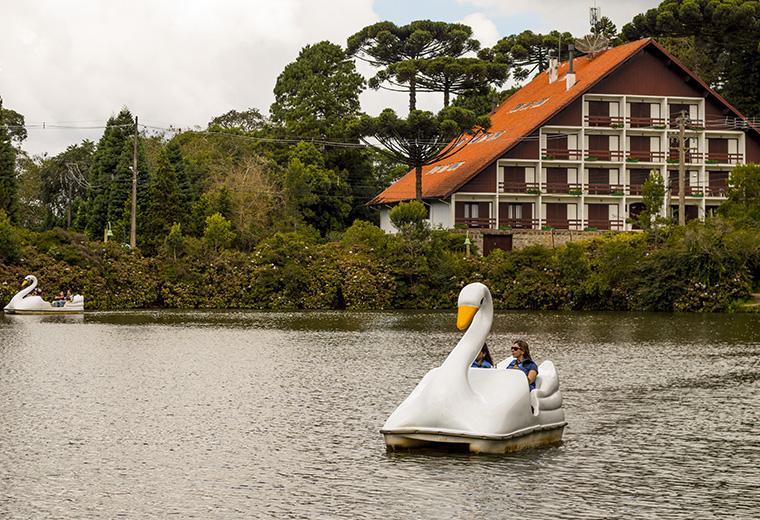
(418,182)
(446,98)
(412,94)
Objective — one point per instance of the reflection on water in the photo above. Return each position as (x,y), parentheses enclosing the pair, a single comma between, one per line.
(271,415)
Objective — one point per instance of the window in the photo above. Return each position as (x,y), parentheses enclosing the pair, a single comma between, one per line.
(471,210)
(454,166)
(514,211)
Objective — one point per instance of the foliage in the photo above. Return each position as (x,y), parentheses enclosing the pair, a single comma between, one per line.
(717,39)
(317,95)
(528,52)
(246,121)
(743,204)
(8,182)
(10,248)
(410,214)
(653,195)
(218,233)
(175,242)
(422,138)
(63,182)
(399,52)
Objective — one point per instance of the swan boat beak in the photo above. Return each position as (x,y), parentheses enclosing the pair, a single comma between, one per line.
(465,314)
(24,283)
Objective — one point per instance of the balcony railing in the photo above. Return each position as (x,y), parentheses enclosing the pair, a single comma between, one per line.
(519,223)
(645,156)
(571,188)
(635,189)
(605,189)
(568,223)
(519,187)
(689,191)
(604,155)
(691,124)
(646,122)
(606,121)
(569,154)
(692,155)
(476,222)
(724,158)
(717,190)
(613,224)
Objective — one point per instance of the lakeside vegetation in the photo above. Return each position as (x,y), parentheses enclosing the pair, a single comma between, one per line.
(269,212)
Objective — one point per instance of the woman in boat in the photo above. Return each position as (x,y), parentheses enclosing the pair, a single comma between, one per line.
(484,359)
(523,361)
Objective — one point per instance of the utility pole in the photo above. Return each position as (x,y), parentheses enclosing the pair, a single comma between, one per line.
(133,223)
(682,169)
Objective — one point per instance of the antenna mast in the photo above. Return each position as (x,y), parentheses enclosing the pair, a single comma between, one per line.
(595,14)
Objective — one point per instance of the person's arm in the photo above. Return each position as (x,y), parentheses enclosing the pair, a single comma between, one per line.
(532,376)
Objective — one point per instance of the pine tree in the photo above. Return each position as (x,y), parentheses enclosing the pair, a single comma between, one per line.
(164,206)
(8,182)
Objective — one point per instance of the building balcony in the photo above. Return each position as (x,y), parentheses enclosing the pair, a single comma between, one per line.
(531,188)
(644,156)
(564,188)
(647,122)
(724,158)
(567,154)
(604,155)
(689,191)
(476,222)
(605,189)
(605,121)
(608,224)
(567,223)
(691,124)
(692,156)
(519,223)
(717,190)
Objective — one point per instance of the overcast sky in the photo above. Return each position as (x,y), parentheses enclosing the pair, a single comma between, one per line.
(182,62)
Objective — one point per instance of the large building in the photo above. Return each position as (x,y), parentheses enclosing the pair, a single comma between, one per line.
(572,149)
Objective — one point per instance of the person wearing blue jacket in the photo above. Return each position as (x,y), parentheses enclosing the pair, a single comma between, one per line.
(484,358)
(522,361)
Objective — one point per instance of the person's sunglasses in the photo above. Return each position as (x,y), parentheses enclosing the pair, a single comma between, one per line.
(516,348)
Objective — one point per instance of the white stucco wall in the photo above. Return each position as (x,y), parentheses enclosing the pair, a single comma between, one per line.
(440,215)
(385,221)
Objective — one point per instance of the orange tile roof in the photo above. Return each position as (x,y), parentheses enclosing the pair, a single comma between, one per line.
(514,125)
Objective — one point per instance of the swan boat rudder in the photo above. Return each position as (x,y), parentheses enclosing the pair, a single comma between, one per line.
(26,303)
(491,411)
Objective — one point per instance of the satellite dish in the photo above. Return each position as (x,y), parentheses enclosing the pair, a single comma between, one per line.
(592,44)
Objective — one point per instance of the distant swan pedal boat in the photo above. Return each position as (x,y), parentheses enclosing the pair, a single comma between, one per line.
(492,411)
(26,303)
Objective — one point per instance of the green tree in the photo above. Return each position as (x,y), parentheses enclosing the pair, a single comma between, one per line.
(653,195)
(717,39)
(399,52)
(313,192)
(317,95)
(246,121)
(410,214)
(454,76)
(422,138)
(605,27)
(110,185)
(218,233)
(64,182)
(528,52)
(743,203)
(10,247)
(14,125)
(175,242)
(8,181)
(164,205)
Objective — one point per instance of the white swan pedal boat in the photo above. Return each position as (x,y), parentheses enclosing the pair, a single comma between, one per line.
(26,303)
(490,410)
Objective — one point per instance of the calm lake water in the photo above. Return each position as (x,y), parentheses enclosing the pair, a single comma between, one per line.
(277,415)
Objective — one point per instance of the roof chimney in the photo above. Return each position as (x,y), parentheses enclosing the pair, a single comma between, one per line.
(570,76)
(553,69)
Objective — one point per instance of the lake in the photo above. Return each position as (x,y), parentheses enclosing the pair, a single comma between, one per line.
(277,415)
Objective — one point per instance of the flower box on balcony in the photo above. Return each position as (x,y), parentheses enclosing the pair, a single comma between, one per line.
(575,192)
(632,159)
(617,193)
(712,161)
(672,161)
(547,228)
(696,195)
(591,228)
(505,228)
(616,125)
(547,157)
(659,127)
(592,158)
(533,191)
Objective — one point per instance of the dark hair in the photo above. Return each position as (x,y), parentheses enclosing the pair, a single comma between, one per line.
(524,346)
(486,354)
